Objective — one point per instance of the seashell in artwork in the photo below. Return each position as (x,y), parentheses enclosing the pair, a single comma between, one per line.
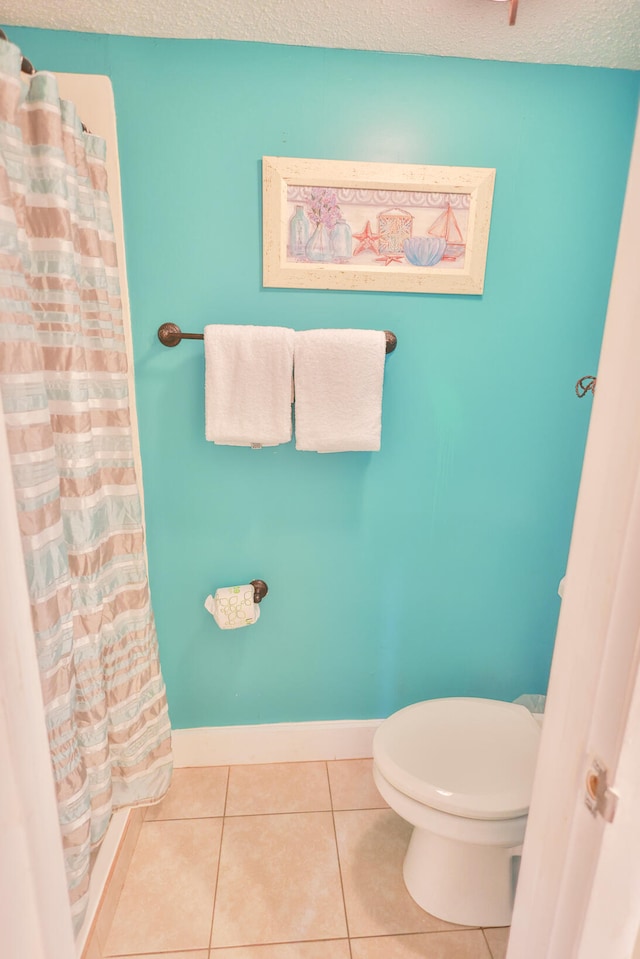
(425,250)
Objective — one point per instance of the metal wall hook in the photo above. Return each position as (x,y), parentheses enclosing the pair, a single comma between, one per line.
(586,384)
(260,590)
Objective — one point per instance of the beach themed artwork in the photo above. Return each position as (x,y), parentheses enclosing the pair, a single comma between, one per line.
(368,226)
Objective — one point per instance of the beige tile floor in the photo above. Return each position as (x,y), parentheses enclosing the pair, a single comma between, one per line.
(283,861)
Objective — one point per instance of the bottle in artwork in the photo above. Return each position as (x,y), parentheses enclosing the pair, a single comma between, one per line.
(341,241)
(319,247)
(298,233)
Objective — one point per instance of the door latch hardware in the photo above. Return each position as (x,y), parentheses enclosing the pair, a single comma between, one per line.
(600,798)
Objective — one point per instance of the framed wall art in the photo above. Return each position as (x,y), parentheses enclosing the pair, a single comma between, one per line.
(343,225)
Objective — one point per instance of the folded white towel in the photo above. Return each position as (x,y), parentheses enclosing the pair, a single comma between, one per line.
(338,378)
(248,372)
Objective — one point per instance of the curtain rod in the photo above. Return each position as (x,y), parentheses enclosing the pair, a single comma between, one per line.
(27,67)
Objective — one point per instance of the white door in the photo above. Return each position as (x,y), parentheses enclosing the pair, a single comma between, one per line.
(579,886)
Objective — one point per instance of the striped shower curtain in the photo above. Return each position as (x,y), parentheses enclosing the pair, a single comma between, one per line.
(63,378)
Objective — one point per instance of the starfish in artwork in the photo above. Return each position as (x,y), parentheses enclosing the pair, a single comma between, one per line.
(390,258)
(367,239)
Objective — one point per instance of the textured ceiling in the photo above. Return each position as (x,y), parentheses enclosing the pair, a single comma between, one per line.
(582,32)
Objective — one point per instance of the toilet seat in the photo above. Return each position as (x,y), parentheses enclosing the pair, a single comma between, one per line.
(474,758)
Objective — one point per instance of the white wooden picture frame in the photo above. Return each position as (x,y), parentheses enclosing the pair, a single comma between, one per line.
(346,225)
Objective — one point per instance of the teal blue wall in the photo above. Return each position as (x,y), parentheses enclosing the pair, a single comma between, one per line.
(430,568)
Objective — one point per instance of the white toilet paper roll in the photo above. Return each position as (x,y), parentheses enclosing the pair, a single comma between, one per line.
(233,606)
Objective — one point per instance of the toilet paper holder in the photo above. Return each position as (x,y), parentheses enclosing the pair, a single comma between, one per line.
(260,590)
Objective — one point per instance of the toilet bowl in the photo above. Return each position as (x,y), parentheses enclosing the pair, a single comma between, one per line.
(460,771)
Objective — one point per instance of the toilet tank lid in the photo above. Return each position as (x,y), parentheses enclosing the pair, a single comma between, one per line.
(469,757)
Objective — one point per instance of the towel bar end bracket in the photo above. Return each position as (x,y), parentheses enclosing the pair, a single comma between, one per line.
(169,334)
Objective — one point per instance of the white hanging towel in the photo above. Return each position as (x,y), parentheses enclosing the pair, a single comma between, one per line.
(248,372)
(338,389)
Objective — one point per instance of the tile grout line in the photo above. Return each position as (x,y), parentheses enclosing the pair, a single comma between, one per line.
(275,762)
(335,839)
(163,952)
(259,945)
(215,891)
(422,932)
(285,812)
(249,945)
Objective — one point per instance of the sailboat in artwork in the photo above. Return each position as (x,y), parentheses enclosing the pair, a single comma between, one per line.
(446,225)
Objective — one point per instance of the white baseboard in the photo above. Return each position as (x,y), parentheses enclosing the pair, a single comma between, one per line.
(274,743)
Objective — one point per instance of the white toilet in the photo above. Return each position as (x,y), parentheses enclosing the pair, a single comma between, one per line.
(461,772)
